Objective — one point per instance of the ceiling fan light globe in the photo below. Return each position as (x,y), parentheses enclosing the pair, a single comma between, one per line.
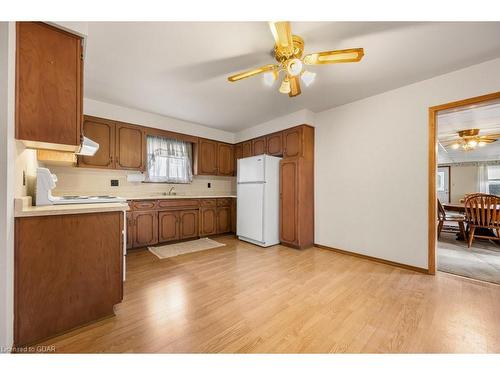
(270,78)
(455,146)
(481,144)
(285,86)
(294,67)
(308,77)
(472,144)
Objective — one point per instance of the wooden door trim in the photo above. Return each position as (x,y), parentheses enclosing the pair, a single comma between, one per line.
(432,165)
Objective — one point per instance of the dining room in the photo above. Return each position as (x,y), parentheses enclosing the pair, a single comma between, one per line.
(468,191)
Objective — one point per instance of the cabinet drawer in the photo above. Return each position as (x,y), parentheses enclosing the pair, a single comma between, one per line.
(208,202)
(178,203)
(224,202)
(144,205)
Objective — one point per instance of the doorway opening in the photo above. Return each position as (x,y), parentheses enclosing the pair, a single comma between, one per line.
(464,188)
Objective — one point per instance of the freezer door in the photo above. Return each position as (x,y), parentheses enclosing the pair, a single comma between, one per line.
(251,169)
(250,214)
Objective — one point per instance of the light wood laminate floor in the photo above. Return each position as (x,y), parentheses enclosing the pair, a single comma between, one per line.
(246,299)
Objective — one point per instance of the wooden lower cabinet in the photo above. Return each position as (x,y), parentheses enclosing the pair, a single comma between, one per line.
(168,226)
(177,225)
(151,222)
(145,228)
(296,202)
(130,230)
(68,272)
(223,220)
(188,224)
(233,215)
(208,221)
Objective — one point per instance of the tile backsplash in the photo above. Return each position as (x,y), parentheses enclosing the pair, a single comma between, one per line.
(86,181)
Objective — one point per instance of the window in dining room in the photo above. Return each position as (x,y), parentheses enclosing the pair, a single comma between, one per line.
(494,179)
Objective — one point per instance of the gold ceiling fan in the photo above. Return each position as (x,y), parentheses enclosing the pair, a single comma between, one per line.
(288,52)
(469,139)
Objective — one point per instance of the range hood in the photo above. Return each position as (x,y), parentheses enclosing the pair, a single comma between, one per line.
(88,147)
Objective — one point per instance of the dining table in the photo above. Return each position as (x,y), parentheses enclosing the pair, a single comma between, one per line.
(455,207)
(458,207)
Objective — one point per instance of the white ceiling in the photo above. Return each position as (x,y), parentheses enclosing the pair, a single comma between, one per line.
(180,69)
(483,117)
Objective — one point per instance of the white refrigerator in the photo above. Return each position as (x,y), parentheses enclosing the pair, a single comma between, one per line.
(258,200)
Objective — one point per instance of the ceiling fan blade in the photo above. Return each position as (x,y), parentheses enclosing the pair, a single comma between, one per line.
(492,136)
(252,72)
(294,86)
(282,33)
(334,57)
(487,140)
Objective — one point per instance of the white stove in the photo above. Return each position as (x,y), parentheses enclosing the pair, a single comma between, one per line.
(46,181)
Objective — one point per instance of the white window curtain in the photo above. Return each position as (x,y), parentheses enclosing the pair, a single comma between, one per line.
(482,179)
(169,160)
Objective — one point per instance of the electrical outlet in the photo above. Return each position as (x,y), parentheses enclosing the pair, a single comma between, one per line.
(209,185)
(114,182)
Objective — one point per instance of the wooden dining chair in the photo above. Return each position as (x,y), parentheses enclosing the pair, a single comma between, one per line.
(456,217)
(483,211)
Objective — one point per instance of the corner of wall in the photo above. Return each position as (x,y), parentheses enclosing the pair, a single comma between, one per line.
(304,116)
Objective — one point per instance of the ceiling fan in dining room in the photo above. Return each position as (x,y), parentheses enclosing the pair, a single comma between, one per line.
(468,140)
(291,64)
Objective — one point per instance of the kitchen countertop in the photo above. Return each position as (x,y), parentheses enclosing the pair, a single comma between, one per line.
(23,208)
(151,197)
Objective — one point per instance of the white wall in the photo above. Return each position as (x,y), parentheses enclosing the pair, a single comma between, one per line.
(115,112)
(7,152)
(371,166)
(296,118)
(464,180)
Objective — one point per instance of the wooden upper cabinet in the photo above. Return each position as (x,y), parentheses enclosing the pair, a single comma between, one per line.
(246,149)
(292,142)
(102,132)
(49,87)
(225,159)
(275,144)
(130,147)
(238,154)
(238,151)
(207,157)
(259,146)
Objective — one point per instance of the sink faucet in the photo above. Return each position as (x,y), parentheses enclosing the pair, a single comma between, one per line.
(170,191)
